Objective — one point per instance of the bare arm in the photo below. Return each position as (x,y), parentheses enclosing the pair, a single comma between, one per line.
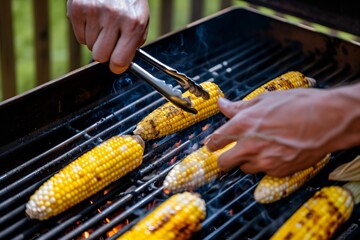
(282,132)
(111,29)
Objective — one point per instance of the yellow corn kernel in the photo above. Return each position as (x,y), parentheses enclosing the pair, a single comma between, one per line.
(176,218)
(271,189)
(86,175)
(195,170)
(169,119)
(286,81)
(319,217)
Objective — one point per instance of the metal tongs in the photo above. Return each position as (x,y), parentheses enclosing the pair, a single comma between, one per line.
(167,90)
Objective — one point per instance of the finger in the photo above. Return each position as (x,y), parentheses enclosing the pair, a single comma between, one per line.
(217,141)
(92,31)
(76,16)
(230,109)
(105,44)
(124,52)
(241,153)
(249,167)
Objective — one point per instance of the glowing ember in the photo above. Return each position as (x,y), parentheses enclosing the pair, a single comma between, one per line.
(166,191)
(191,135)
(151,204)
(178,143)
(204,128)
(172,161)
(117,228)
(99,210)
(86,234)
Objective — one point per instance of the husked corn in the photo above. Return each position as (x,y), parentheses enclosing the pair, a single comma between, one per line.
(286,81)
(169,119)
(319,217)
(86,175)
(175,219)
(195,170)
(271,189)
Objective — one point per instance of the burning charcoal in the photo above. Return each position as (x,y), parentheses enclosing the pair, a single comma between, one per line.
(176,218)
(86,176)
(322,214)
(168,119)
(271,189)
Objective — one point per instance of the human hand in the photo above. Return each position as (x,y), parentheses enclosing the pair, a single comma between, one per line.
(278,133)
(111,29)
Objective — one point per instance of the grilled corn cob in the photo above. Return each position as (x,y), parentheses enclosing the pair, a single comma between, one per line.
(197,169)
(86,175)
(286,81)
(176,218)
(322,214)
(169,119)
(200,167)
(271,189)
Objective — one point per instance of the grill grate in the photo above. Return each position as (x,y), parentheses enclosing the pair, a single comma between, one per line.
(238,66)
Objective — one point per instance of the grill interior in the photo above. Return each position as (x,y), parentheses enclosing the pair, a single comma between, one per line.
(50,126)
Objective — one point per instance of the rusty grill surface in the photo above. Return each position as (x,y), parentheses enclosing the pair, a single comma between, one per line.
(45,129)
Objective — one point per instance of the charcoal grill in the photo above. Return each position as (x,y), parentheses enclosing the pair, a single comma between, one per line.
(239,49)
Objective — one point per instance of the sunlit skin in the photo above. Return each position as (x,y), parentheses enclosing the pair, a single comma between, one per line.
(111,29)
(282,132)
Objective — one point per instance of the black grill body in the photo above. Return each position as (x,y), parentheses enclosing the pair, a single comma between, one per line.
(239,49)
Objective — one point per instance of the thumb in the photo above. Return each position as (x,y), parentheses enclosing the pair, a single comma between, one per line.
(230,109)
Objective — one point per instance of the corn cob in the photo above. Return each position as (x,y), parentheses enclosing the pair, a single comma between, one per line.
(286,81)
(321,215)
(271,189)
(169,119)
(195,170)
(86,175)
(176,218)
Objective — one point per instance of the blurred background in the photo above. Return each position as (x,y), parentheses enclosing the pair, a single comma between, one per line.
(37,42)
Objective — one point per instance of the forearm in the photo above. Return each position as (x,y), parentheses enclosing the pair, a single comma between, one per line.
(345,101)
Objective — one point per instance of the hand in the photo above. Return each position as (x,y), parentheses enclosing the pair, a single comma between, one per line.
(282,132)
(111,29)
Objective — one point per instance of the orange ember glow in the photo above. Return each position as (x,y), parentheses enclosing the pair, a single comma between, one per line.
(191,135)
(99,210)
(172,161)
(166,191)
(205,127)
(231,212)
(178,143)
(117,228)
(151,204)
(86,234)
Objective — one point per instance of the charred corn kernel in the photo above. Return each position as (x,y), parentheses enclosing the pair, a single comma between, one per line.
(176,218)
(195,170)
(320,216)
(86,175)
(169,119)
(286,81)
(271,189)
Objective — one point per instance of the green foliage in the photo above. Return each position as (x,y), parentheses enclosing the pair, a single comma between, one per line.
(59,28)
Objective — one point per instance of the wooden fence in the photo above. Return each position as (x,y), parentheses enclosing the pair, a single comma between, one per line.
(41,35)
